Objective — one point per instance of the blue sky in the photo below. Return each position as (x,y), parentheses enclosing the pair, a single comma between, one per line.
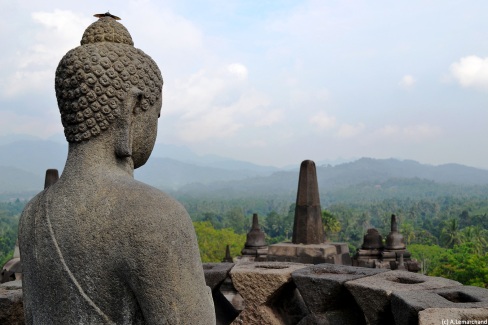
(277,82)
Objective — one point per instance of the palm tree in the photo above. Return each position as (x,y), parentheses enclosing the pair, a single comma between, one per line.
(450,234)
(477,236)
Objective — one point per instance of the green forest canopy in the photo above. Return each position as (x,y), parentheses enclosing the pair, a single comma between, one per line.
(448,234)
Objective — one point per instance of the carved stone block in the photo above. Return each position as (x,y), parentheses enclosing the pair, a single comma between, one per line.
(309,254)
(215,274)
(11,303)
(322,285)
(406,305)
(434,316)
(323,291)
(373,293)
(269,294)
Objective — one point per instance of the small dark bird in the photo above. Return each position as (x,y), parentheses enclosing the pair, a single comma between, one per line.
(107,14)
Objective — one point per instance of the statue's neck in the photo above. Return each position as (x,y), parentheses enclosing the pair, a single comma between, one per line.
(96,157)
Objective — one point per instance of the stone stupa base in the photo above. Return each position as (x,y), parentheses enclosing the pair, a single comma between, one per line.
(333,253)
(253,254)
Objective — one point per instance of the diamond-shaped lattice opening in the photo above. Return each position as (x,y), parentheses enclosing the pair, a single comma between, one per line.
(227,301)
(287,304)
(224,310)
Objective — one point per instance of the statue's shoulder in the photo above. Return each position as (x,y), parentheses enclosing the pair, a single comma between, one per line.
(33,205)
(137,191)
(150,220)
(151,204)
(28,215)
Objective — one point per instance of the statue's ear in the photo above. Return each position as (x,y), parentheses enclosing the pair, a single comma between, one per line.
(123,124)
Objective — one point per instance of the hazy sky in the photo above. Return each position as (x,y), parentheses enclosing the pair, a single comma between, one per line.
(277,82)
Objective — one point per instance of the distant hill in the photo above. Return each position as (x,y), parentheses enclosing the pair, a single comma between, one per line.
(167,173)
(33,156)
(170,167)
(363,179)
(179,170)
(17,180)
(370,170)
(187,156)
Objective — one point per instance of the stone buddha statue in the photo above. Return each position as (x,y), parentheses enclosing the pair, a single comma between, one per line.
(97,246)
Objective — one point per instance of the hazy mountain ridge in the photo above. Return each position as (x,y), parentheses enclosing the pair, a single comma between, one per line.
(33,156)
(17,180)
(365,177)
(181,171)
(27,159)
(169,173)
(369,169)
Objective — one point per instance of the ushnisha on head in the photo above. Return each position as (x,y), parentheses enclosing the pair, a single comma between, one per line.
(94,79)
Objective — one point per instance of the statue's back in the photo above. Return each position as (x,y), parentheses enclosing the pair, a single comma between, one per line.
(97,246)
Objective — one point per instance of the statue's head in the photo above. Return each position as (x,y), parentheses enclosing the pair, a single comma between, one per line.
(106,85)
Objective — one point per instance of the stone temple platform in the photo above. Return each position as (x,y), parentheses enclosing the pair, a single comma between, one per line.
(333,253)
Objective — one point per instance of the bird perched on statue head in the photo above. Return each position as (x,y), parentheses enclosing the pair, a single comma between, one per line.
(107,14)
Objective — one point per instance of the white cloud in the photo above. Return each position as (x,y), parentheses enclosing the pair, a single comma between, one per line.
(471,71)
(417,132)
(322,120)
(63,25)
(421,131)
(349,130)
(407,81)
(14,123)
(216,103)
(168,35)
(33,68)
(388,130)
(269,118)
(217,122)
(314,18)
(237,69)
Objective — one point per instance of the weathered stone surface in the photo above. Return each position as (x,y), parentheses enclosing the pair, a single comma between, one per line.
(269,294)
(255,237)
(406,305)
(309,254)
(227,258)
(52,177)
(215,273)
(448,316)
(307,226)
(341,248)
(373,293)
(255,248)
(316,250)
(322,286)
(12,285)
(11,271)
(11,305)
(229,291)
(283,249)
(393,256)
(394,240)
(224,311)
(372,240)
(334,317)
(97,246)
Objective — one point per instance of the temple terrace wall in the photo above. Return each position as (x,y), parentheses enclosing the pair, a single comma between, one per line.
(281,293)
